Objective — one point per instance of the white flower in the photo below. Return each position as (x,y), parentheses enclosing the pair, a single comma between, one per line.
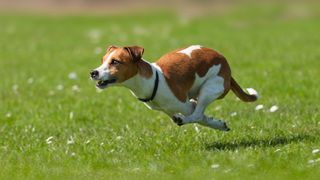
(15,87)
(196,128)
(49,140)
(71,115)
(73,154)
(215,166)
(70,140)
(259,107)
(119,137)
(233,114)
(8,115)
(313,161)
(217,108)
(75,88)
(315,151)
(60,87)
(274,108)
(72,75)
(30,80)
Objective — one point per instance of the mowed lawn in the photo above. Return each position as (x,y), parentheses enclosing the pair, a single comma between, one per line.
(54,124)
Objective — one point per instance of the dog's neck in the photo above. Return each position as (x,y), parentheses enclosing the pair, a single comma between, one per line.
(140,86)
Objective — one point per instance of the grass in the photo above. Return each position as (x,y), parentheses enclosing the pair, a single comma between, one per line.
(55,127)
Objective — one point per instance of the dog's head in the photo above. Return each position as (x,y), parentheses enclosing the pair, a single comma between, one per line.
(118,65)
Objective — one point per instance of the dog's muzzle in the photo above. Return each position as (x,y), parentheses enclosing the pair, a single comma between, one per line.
(103,84)
(94,74)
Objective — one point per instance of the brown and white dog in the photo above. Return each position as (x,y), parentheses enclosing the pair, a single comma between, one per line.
(181,83)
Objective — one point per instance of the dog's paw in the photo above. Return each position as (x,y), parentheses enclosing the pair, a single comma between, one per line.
(225,127)
(178,119)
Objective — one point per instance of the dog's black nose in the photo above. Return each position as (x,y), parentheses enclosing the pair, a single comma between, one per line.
(94,74)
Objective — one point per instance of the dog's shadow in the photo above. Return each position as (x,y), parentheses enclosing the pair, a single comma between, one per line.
(260,142)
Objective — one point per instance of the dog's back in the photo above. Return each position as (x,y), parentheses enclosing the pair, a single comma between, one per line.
(186,69)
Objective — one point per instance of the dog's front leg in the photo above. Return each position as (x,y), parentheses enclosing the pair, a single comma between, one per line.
(188,109)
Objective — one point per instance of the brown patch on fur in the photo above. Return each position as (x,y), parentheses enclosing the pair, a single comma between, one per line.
(135,52)
(125,69)
(144,69)
(235,87)
(180,70)
(130,63)
(214,58)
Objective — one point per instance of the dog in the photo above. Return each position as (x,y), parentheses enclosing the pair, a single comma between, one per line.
(181,83)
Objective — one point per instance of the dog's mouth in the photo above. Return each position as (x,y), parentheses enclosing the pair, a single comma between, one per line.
(103,84)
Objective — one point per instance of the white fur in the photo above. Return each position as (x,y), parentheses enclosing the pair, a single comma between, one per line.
(213,71)
(188,51)
(210,88)
(103,70)
(205,89)
(164,100)
(252,91)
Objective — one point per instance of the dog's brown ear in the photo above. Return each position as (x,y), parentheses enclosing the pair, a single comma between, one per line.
(111,48)
(135,52)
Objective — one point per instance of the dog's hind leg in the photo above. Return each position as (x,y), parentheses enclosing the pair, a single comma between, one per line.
(214,123)
(211,90)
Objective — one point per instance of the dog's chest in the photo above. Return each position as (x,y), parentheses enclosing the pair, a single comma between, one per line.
(165,100)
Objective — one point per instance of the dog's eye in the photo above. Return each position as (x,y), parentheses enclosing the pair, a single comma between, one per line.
(115,62)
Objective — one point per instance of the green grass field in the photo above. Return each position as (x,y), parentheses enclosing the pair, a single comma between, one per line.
(53,126)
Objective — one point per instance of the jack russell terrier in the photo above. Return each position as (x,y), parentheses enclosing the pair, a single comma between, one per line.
(181,83)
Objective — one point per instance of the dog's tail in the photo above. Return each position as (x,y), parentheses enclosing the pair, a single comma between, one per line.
(252,96)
